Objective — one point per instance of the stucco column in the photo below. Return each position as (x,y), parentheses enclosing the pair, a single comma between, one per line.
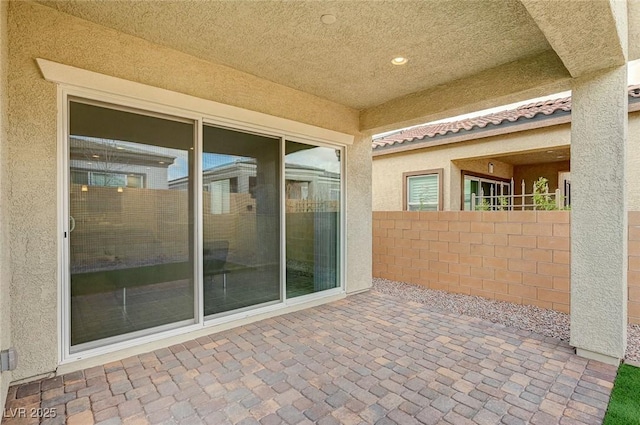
(599,215)
(358,215)
(452,184)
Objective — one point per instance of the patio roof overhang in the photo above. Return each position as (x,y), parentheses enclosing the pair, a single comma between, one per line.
(463,56)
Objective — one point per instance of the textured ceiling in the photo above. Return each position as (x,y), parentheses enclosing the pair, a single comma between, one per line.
(347,62)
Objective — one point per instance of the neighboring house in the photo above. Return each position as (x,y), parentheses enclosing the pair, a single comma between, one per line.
(438,166)
(103,162)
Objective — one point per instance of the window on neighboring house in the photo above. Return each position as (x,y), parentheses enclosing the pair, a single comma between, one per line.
(105,179)
(297,189)
(423,190)
(482,186)
(220,196)
(253,184)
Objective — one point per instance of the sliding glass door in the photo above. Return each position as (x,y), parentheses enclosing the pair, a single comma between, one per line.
(131,257)
(175,223)
(241,220)
(313,188)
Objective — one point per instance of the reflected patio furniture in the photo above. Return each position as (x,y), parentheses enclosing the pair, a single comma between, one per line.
(214,259)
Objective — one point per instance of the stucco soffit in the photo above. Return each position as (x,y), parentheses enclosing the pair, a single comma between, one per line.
(77,78)
(587,36)
(526,78)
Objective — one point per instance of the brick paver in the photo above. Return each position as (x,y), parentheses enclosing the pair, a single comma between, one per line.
(370,358)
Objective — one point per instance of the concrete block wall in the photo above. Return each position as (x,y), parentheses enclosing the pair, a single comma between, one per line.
(517,256)
(633,276)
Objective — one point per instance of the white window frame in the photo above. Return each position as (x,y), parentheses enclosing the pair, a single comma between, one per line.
(115,92)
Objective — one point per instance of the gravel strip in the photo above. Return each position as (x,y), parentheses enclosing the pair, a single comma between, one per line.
(539,320)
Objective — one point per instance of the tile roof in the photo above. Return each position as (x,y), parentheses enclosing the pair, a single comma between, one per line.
(524,112)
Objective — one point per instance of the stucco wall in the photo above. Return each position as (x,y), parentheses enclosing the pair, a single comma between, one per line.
(531,173)
(599,134)
(5,319)
(359,237)
(36,31)
(388,169)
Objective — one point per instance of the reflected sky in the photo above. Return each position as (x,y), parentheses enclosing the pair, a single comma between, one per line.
(320,157)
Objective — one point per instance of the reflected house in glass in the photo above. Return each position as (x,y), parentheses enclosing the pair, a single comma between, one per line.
(312,199)
(104,162)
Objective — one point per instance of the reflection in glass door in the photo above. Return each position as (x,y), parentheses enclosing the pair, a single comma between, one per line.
(131,256)
(241,220)
(313,188)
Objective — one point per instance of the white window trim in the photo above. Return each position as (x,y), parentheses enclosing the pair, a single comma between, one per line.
(91,86)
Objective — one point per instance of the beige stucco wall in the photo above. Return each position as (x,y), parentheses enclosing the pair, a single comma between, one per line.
(359,238)
(388,169)
(5,307)
(36,31)
(531,173)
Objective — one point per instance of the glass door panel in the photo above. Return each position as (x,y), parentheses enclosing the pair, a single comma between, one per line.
(313,188)
(131,239)
(241,220)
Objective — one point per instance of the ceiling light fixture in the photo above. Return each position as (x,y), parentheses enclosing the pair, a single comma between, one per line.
(328,19)
(399,60)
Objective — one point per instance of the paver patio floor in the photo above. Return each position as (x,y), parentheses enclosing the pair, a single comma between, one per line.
(369,358)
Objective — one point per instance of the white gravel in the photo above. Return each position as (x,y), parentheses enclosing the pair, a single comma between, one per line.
(545,322)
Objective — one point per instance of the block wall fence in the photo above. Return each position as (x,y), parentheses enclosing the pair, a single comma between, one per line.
(517,256)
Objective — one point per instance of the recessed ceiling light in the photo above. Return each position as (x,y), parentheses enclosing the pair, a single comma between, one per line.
(95,156)
(160,162)
(328,19)
(119,147)
(399,60)
(560,156)
(549,151)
